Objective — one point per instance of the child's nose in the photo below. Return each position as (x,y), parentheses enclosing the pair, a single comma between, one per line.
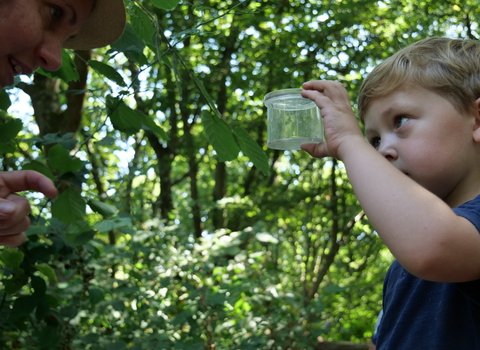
(388,149)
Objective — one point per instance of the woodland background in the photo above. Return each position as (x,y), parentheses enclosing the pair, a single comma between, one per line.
(176,227)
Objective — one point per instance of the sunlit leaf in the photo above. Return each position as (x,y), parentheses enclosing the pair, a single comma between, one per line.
(10,129)
(142,24)
(165,4)
(123,117)
(149,123)
(69,207)
(131,45)
(220,136)
(61,161)
(11,257)
(108,71)
(252,150)
(105,209)
(47,271)
(110,224)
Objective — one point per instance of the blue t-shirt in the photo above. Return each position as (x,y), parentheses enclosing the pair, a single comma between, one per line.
(423,315)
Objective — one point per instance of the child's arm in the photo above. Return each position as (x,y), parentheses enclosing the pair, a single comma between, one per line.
(421,230)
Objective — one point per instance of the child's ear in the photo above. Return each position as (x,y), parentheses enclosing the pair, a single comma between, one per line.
(476,125)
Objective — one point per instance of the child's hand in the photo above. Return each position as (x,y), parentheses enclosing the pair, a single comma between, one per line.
(339,121)
(14,208)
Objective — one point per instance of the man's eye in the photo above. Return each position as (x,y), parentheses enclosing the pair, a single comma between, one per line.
(56,13)
(401,120)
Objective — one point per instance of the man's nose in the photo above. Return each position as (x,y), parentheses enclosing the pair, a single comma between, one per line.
(49,53)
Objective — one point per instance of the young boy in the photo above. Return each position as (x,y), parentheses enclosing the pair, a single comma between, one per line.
(417,176)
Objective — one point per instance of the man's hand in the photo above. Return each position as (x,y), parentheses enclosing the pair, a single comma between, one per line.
(14,208)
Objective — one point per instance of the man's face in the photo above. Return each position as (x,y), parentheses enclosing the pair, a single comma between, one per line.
(32,33)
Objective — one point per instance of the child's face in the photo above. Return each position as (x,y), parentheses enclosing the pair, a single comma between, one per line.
(426,138)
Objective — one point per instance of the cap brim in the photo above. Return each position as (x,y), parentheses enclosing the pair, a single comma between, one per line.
(103,27)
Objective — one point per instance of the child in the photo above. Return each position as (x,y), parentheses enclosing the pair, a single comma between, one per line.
(417,177)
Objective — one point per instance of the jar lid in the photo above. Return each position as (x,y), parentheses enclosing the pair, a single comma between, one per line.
(288,99)
(285,93)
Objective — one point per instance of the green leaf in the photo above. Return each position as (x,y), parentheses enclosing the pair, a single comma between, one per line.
(23,306)
(5,102)
(82,238)
(110,224)
(61,161)
(116,345)
(12,257)
(42,169)
(95,295)
(90,338)
(207,96)
(10,129)
(106,210)
(36,230)
(165,4)
(68,72)
(42,311)
(123,117)
(18,280)
(39,285)
(50,337)
(220,136)
(108,71)
(47,271)
(4,148)
(252,150)
(69,207)
(142,24)
(106,141)
(131,45)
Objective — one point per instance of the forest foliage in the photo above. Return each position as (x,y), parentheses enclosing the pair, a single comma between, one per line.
(176,227)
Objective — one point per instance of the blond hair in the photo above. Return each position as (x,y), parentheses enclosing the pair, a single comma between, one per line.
(448,67)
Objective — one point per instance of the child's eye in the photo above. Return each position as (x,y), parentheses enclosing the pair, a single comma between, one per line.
(375,142)
(400,121)
(56,13)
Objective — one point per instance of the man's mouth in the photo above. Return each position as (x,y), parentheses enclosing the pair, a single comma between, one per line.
(17,68)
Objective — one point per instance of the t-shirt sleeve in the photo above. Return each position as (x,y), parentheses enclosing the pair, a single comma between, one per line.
(471,211)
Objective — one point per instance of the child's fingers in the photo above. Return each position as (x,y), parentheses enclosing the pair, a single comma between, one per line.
(334,90)
(317,150)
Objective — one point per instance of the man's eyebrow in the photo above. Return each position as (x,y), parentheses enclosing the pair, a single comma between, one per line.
(73,20)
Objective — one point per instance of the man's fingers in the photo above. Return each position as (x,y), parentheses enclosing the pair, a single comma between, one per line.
(13,209)
(26,180)
(13,240)
(16,228)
